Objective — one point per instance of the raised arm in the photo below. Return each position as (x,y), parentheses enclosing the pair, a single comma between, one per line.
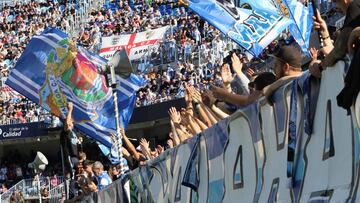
(131,148)
(239,100)
(69,125)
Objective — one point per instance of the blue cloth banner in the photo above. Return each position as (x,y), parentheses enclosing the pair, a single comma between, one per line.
(191,178)
(302,22)
(251,29)
(53,71)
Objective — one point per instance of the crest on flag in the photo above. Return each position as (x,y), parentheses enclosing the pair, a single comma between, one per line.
(68,70)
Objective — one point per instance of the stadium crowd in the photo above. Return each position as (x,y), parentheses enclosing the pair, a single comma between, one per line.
(13,168)
(18,24)
(212,92)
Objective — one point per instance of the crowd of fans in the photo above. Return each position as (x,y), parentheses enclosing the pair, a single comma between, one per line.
(18,24)
(212,91)
(13,168)
(15,109)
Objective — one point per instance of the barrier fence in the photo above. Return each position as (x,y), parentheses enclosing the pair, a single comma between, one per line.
(172,52)
(30,189)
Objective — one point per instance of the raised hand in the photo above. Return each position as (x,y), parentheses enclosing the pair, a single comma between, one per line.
(218,92)
(160,149)
(226,74)
(174,115)
(320,24)
(188,98)
(170,143)
(208,98)
(70,106)
(250,72)
(144,144)
(236,64)
(184,117)
(196,95)
(314,68)
(314,53)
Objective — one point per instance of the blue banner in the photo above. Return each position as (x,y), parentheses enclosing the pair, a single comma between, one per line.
(251,29)
(53,71)
(302,22)
(23,130)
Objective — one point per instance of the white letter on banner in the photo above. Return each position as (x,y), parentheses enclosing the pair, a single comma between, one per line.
(329,150)
(253,28)
(275,187)
(240,163)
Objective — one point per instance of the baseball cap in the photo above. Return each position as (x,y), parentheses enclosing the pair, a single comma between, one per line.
(289,54)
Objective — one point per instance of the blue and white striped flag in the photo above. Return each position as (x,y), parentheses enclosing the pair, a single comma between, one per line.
(53,71)
(302,22)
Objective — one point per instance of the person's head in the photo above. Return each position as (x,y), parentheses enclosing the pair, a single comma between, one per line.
(82,156)
(287,61)
(87,167)
(114,170)
(342,5)
(86,184)
(262,80)
(79,168)
(97,168)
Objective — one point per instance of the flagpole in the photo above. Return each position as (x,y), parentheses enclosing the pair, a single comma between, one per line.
(117,120)
(313,4)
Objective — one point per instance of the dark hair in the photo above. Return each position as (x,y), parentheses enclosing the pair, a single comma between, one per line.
(289,54)
(262,80)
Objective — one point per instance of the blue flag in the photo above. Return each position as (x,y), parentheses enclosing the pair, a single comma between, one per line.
(302,22)
(251,29)
(53,71)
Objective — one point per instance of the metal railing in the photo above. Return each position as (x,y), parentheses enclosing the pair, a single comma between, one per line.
(4,3)
(81,16)
(17,187)
(166,53)
(56,194)
(30,190)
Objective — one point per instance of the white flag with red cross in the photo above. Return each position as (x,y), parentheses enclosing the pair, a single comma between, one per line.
(135,44)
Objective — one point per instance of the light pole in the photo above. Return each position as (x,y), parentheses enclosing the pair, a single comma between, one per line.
(123,66)
(39,165)
(39,186)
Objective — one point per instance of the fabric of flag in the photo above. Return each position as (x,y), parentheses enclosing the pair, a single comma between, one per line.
(302,22)
(251,29)
(53,71)
(216,139)
(191,178)
(308,87)
(252,113)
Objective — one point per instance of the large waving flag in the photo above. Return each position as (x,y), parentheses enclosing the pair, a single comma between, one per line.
(302,22)
(53,71)
(251,29)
